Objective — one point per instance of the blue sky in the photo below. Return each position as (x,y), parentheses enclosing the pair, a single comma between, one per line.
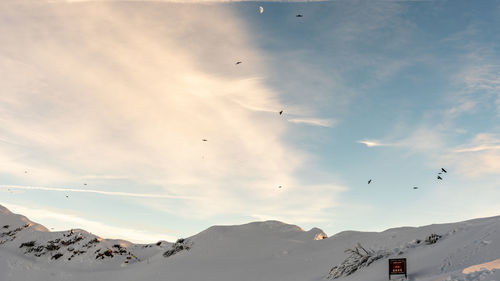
(108,103)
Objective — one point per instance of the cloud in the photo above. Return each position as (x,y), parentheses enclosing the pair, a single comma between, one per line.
(483,77)
(477,164)
(477,79)
(463,105)
(66,219)
(102,89)
(478,148)
(373,143)
(481,156)
(483,83)
(110,193)
(421,139)
(110,177)
(314,121)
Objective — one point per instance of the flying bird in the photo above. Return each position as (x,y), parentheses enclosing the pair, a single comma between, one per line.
(204,139)
(261,9)
(299,15)
(415,187)
(281,112)
(66,196)
(279,186)
(439,178)
(369,181)
(444,170)
(238,62)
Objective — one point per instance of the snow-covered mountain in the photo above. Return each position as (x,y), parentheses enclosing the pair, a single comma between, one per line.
(258,251)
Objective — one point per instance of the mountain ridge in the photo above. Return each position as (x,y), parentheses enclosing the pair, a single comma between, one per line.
(267,251)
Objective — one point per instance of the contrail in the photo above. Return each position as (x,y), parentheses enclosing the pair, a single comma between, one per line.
(126,194)
(479,148)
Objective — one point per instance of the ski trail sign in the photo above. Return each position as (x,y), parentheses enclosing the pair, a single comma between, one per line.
(397,267)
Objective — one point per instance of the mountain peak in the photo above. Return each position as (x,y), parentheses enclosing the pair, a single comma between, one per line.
(9,218)
(4,210)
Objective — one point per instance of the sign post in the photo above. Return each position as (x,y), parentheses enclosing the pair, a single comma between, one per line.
(397,267)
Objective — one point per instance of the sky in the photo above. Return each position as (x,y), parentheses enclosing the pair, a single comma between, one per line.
(104,106)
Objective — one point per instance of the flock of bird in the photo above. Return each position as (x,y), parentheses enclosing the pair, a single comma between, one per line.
(440,173)
(261,10)
(416,187)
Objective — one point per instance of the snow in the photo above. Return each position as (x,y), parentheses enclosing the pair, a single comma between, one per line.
(487,265)
(266,251)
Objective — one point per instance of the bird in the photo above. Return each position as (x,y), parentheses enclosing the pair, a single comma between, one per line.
(439,173)
(444,170)
(279,186)
(85,184)
(439,178)
(369,181)
(66,196)
(261,9)
(238,62)
(299,15)
(415,187)
(204,139)
(281,112)
(25,172)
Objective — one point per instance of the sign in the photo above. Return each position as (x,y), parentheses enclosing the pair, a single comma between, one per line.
(397,266)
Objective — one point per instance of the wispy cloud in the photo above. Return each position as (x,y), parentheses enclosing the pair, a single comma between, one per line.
(475,164)
(477,78)
(110,193)
(480,156)
(483,77)
(422,139)
(478,148)
(313,121)
(373,143)
(125,92)
(482,82)
(480,142)
(462,105)
(108,177)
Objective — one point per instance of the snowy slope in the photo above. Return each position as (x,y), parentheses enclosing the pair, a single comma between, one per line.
(267,251)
